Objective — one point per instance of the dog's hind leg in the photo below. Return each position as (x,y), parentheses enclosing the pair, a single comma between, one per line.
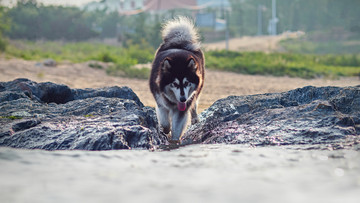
(179,121)
(163,118)
(194,116)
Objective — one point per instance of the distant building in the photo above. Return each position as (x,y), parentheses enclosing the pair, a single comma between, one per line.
(121,6)
(163,5)
(208,14)
(212,18)
(213,3)
(129,7)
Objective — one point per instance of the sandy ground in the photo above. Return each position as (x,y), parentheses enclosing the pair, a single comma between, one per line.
(254,43)
(196,173)
(217,84)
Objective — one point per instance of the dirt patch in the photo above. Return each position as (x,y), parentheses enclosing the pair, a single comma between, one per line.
(217,84)
(254,43)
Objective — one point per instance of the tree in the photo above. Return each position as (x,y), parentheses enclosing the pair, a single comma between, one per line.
(4,26)
(35,21)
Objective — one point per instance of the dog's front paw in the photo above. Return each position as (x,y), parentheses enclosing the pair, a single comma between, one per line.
(165,130)
(194,120)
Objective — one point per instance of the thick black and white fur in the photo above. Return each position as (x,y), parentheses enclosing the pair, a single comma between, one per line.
(177,76)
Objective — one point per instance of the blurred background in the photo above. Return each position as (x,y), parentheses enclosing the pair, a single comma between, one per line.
(330,21)
(283,38)
(296,26)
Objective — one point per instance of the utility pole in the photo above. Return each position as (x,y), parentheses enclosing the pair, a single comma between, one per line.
(274,20)
(225,13)
(260,8)
(227,29)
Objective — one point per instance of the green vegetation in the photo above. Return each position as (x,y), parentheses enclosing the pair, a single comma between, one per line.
(89,115)
(59,51)
(139,35)
(31,20)
(124,59)
(95,65)
(34,21)
(333,41)
(281,64)
(11,117)
(4,26)
(316,47)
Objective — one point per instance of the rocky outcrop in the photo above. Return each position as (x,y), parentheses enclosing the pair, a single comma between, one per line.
(52,116)
(325,117)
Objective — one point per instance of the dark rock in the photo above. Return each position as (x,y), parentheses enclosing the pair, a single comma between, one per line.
(25,124)
(53,117)
(49,62)
(326,117)
(57,93)
(108,92)
(50,92)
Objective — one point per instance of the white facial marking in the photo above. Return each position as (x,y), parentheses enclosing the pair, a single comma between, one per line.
(176,82)
(175,88)
(184,89)
(187,87)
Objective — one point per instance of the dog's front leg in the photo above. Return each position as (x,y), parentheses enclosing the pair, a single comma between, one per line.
(163,118)
(179,121)
(194,116)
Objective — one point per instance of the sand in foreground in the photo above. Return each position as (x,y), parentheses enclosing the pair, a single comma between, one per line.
(197,173)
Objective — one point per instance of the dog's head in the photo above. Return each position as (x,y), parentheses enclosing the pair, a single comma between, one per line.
(179,79)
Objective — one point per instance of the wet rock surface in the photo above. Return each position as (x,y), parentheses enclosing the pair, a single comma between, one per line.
(53,116)
(317,118)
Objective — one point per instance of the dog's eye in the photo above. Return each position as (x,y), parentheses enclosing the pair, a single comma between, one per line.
(175,85)
(186,84)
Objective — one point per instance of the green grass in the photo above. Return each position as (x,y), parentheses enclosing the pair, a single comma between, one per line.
(89,115)
(11,117)
(318,47)
(124,59)
(284,64)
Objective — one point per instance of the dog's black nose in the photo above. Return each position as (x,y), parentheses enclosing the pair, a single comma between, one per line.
(182,99)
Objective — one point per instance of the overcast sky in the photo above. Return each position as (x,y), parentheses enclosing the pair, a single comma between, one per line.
(54,2)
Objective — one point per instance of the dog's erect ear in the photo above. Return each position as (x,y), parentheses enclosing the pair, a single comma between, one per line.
(192,65)
(166,65)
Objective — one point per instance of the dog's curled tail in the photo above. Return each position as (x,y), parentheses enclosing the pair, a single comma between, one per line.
(181,32)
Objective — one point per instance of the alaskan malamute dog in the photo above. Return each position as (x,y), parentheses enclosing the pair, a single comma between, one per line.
(177,76)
